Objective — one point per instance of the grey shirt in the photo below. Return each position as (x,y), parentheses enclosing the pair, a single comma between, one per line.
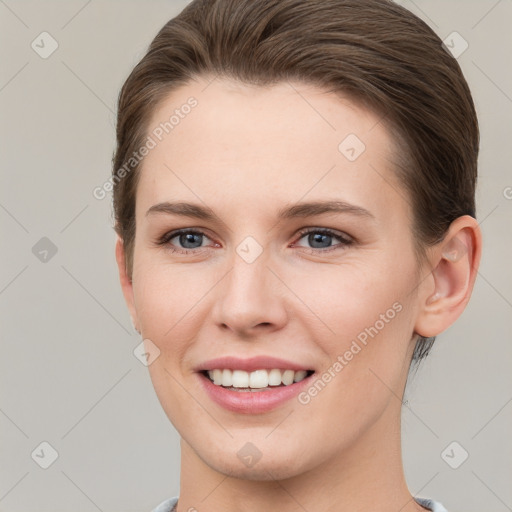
(169,505)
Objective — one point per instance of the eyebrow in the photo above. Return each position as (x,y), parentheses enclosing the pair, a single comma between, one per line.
(305,209)
(310,209)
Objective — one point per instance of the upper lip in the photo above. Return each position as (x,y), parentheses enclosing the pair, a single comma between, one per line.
(250,364)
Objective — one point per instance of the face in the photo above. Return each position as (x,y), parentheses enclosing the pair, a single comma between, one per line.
(328,288)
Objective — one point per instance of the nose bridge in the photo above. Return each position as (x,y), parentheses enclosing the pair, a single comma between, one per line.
(248,297)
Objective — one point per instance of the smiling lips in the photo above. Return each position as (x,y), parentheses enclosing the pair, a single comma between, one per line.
(261,373)
(258,379)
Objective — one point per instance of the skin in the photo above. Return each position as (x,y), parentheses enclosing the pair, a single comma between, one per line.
(245,152)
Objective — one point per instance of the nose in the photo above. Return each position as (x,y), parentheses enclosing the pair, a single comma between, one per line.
(250,299)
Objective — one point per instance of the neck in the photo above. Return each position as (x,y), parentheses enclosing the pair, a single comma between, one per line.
(367,476)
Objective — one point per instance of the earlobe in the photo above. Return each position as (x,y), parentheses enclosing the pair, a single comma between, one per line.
(455,263)
(126,283)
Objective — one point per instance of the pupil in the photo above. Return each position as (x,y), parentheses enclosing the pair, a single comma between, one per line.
(317,237)
(189,237)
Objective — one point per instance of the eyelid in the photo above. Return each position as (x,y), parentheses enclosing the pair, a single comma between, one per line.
(165,239)
(173,233)
(328,231)
(344,238)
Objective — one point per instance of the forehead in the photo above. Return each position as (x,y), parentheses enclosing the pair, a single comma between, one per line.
(257,146)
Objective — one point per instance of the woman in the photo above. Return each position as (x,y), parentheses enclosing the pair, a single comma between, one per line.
(294,192)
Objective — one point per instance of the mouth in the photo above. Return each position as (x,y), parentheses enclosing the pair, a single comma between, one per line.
(254,385)
(265,379)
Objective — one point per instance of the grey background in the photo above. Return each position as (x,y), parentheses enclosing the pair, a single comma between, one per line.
(68,373)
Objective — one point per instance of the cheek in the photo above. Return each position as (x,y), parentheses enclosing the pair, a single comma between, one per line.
(169,302)
(166,297)
(335,304)
(363,323)
(348,298)
(173,302)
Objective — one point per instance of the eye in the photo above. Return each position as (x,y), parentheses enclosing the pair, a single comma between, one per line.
(190,241)
(321,239)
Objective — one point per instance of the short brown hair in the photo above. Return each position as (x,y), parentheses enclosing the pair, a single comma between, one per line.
(373,51)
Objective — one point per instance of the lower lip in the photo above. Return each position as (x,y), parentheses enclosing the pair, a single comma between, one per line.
(252,402)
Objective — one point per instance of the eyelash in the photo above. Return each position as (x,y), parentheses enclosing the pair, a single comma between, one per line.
(345,241)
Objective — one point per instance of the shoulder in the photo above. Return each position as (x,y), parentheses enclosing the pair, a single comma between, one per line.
(167,505)
(434,506)
(429,504)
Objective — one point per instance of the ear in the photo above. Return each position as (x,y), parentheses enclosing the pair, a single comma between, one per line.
(454,262)
(126,282)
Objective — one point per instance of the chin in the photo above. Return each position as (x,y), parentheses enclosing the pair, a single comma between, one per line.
(244,460)
(263,470)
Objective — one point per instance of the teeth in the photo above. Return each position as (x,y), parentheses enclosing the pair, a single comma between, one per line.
(274,377)
(257,379)
(240,379)
(287,377)
(227,379)
(217,377)
(300,375)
